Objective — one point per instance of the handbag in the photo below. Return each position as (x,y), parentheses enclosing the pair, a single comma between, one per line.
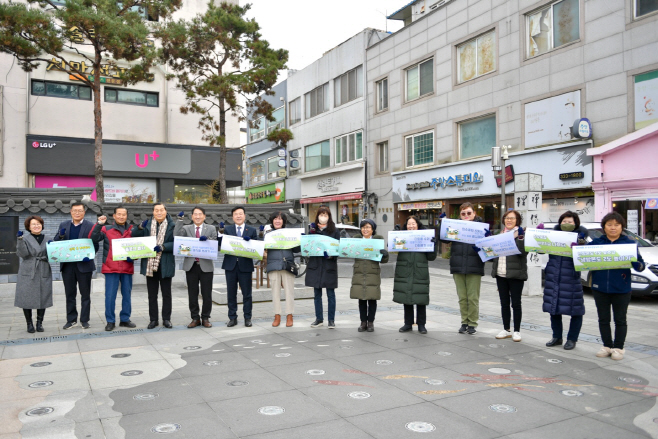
(290,266)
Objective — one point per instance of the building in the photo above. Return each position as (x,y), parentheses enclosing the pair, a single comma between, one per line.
(462,77)
(150,149)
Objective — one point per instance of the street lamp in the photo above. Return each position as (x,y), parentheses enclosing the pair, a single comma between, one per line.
(498,156)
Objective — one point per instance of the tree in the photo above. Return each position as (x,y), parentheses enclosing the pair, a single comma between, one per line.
(280,136)
(62,36)
(217,58)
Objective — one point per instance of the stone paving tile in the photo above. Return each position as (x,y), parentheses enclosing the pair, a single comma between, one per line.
(55,363)
(275,356)
(42,349)
(117,341)
(441,354)
(385,363)
(301,375)
(54,381)
(117,356)
(214,363)
(567,428)
(324,430)
(236,384)
(136,373)
(339,348)
(637,417)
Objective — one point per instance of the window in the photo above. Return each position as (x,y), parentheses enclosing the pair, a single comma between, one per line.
(348,86)
(349,147)
(318,156)
(131,97)
(295,111)
(256,129)
(477,57)
(644,7)
(382,94)
(317,101)
(420,79)
(272,168)
(477,137)
(279,115)
(61,90)
(257,171)
(420,149)
(382,153)
(552,26)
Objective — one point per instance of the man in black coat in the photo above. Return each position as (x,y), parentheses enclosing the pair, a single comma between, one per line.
(77,275)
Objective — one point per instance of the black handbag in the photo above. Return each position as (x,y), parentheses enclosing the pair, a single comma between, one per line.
(291,267)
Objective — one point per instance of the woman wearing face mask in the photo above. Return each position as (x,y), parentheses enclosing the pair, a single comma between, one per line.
(411,285)
(322,271)
(367,279)
(563,291)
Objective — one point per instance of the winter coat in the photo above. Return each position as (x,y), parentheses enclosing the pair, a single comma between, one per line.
(411,285)
(107,233)
(463,259)
(613,281)
(34,287)
(563,291)
(275,257)
(367,278)
(322,272)
(167,266)
(517,265)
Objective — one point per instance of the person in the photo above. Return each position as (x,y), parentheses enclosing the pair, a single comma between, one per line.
(563,291)
(322,271)
(160,269)
(467,270)
(277,273)
(77,275)
(367,279)
(612,289)
(34,287)
(411,283)
(510,273)
(238,269)
(198,271)
(115,272)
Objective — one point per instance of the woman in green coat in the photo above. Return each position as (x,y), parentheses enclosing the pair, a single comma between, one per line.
(412,281)
(367,279)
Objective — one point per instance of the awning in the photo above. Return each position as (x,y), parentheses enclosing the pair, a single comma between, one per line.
(340,197)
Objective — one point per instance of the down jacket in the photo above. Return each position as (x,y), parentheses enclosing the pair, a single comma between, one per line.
(367,277)
(107,233)
(275,257)
(517,265)
(411,285)
(322,272)
(167,266)
(463,259)
(613,281)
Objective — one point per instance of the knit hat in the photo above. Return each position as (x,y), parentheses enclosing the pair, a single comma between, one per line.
(368,221)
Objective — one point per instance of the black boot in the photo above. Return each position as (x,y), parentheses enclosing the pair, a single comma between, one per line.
(40,314)
(30,327)
(28,318)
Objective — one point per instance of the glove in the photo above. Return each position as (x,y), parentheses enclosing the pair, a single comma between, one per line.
(637,266)
(443,215)
(261,228)
(246,238)
(433,239)
(49,241)
(312,226)
(303,233)
(487,233)
(384,252)
(143,224)
(521,232)
(19,234)
(181,214)
(157,249)
(85,259)
(221,224)
(477,249)
(203,238)
(311,232)
(326,255)
(62,232)
(129,260)
(540,226)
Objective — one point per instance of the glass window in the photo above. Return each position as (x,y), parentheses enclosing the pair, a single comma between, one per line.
(256,129)
(38,88)
(382,95)
(382,152)
(477,137)
(295,111)
(553,26)
(348,86)
(257,171)
(644,7)
(477,57)
(279,116)
(110,95)
(420,149)
(349,147)
(317,156)
(61,90)
(420,79)
(131,97)
(317,101)
(273,167)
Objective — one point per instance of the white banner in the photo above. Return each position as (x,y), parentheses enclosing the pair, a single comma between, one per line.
(604,257)
(499,245)
(411,241)
(133,248)
(237,246)
(551,242)
(194,248)
(462,231)
(283,238)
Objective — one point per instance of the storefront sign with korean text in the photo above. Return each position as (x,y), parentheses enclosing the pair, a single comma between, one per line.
(462,231)
(604,257)
(81,68)
(237,246)
(411,241)
(416,206)
(70,251)
(316,245)
(329,184)
(133,248)
(492,247)
(359,248)
(551,242)
(269,193)
(442,182)
(282,239)
(194,248)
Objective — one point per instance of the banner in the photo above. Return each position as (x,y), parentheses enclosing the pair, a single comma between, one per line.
(70,251)
(192,247)
(550,242)
(462,231)
(359,248)
(236,246)
(133,248)
(411,241)
(282,239)
(316,245)
(498,245)
(604,257)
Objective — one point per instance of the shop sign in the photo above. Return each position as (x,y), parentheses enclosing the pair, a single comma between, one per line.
(43,145)
(417,206)
(652,203)
(509,175)
(572,175)
(282,163)
(120,190)
(582,129)
(329,184)
(148,159)
(646,99)
(81,68)
(442,182)
(282,152)
(550,120)
(349,181)
(282,173)
(269,193)
(76,36)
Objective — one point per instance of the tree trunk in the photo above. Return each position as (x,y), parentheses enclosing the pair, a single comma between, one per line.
(98,131)
(223,195)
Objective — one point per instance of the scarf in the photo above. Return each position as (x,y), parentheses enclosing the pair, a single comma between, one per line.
(154,263)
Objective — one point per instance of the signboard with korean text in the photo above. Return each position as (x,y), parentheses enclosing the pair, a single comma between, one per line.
(133,248)
(646,99)
(632,221)
(73,250)
(509,175)
(359,248)
(552,208)
(549,121)
(317,245)
(282,239)
(462,231)
(194,248)
(352,180)
(411,241)
(492,247)
(604,257)
(269,193)
(124,190)
(237,246)
(551,242)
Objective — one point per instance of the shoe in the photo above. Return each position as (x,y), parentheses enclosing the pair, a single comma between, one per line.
(504,334)
(277,320)
(363,326)
(406,328)
(39,326)
(152,324)
(85,325)
(127,324)
(618,354)
(331,325)
(70,325)
(247,323)
(109,326)
(370,327)
(604,352)
(194,323)
(231,322)
(422,329)
(554,342)
(462,329)
(206,323)
(30,327)
(167,324)
(471,330)
(570,344)
(289,320)
(516,336)
(317,323)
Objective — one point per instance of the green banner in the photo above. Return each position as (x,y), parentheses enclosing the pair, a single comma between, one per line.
(133,248)
(283,239)
(237,246)
(550,242)
(269,193)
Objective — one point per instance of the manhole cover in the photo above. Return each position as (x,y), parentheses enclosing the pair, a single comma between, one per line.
(165,428)
(315,372)
(432,382)
(40,411)
(256,341)
(131,373)
(420,427)
(187,348)
(345,346)
(237,383)
(499,370)
(383,362)
(502,408)
(271,410)
(41,364)
(630,380)
(40,384)
(359,395)
(283,354)
(286,347)
(443,354)
(571,393)
(120,355)
(554,360)
(145,396)
(495,345)
(212,363)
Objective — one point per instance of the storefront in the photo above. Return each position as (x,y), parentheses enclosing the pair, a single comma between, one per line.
(266,194)
(133,172)
(626,180)
(341,192)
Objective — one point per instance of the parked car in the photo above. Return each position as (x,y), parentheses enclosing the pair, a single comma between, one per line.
(348,231)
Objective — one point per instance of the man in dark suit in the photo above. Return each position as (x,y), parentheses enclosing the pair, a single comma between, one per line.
(239,269)
(77,275)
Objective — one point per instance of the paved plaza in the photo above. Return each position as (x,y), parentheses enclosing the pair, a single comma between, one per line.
(300,382)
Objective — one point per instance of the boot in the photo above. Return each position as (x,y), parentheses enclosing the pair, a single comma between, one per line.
(289,320)
(363,327)
(40,314)
(277,320)
(30,327)
(370,327)
(39,326)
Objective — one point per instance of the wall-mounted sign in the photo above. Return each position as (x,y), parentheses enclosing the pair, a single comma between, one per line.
(572,175)
(646,99)
(81,68)
(329,184)
(509,175)
(282,152)
(125,190)
(582,129)
(416,206)
(550,120)
(652,203)
(282,163)
(43,144)
(150,159)
(337,182)
(294,164)
(294,154)
(282,173)
(442,182)
(269,193)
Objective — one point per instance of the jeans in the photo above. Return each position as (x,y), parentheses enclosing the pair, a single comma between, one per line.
(421,315)
(510,289)
(619,304)
(112,281)
(367,310)
(331,304)
(152,284)
(574,327)
(468,292)
(75,280)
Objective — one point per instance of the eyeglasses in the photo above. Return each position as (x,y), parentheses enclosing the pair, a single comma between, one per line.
(467,213)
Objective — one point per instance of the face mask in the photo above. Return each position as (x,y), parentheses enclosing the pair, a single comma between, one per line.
(567,227)
(323,219)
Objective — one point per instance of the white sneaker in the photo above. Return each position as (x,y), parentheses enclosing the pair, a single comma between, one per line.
(504,334)
(604,352)
(516,336)
(618,354)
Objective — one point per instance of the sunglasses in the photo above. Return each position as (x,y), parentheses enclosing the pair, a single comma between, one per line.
(467,213)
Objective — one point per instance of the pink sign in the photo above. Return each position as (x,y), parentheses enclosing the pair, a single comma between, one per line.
(54,181)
